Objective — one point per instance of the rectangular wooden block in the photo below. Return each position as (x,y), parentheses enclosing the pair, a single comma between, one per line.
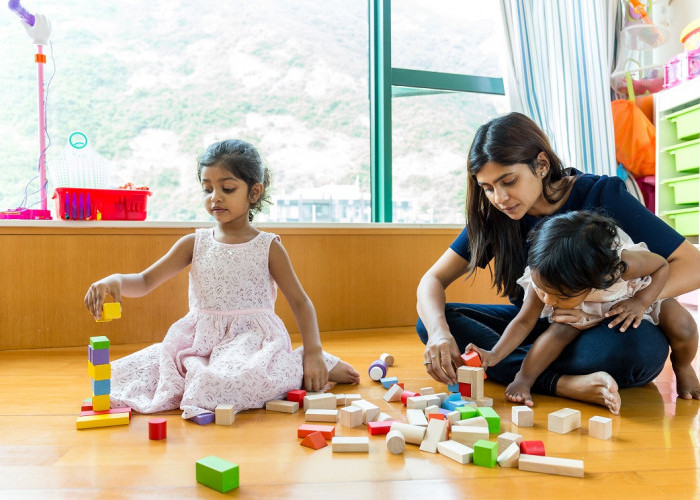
(600,427)
(425,391)
(100,403)
(351,416)
(217,473)
(226,414)
(320,402)
(315,415)
(522,416)
(370,411)
(123,409)
(564,420)
(304,430)
(469,435)
(99,372)
(282,405)
(551,465)
(435,433)
(456,451)
(491,417)
(473,422)
(340,400)
(379,428)
(416,417)
(296,395)
(105,420)
(350,444)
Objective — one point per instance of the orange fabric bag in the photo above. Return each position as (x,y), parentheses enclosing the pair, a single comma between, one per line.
(635,138)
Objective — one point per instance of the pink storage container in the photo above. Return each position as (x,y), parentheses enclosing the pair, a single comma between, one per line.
(693,63)
(673,71)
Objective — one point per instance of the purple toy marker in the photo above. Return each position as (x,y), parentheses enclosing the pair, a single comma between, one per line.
(377,370)
(203,418)
(15,6)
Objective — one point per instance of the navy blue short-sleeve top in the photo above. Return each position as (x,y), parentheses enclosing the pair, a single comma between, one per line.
(609,196)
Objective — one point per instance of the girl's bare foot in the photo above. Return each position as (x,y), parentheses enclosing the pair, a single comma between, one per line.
(599,388)
(343,373)
(687,383)
(518,391)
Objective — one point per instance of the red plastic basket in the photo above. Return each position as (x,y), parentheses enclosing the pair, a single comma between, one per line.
(104,204)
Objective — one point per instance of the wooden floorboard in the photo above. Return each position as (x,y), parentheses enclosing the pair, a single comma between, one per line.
(655,449)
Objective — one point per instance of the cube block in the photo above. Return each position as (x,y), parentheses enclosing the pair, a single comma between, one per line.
(217,473)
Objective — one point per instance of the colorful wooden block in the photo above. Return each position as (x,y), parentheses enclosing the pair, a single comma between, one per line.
(407,394)
(351,416)
(532,448)
(203,418)
(600,427)
(110,311)
(466,411)
(304,430)
(100,387)
(509,456)
(157,429)
(350,444)
(485,453)
(395,442)
(379,428)
(315,415)
(471,358)
(456,451)
(551,465)
(387,358)
(465,390)
(296,395)
(217,473)
(452,405)
(522,416)
(387,382)
(100,342)
(100,372)
(314,440)
(283,405)
(377,369)
(86,405)
(225,414)
(98,356)
(100,403)
(106,420)
(491,417)
(453,387)
(123,409)
(564,420)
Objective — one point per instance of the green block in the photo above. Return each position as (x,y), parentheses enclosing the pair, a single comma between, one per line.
(485,453)
(467,411)
(492,418)
(217,473)
(99,342)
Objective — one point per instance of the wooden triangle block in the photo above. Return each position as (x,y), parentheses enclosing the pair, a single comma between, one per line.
(314,440)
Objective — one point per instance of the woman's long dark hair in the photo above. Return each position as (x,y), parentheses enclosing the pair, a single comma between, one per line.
(576,251)
(507,140)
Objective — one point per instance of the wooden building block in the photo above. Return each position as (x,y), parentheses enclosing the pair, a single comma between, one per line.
(467,411)
(283,405)
(110,311)
(100,342)
(321,415)
(370,411)
(465,390)
(382,417)
(326,401)
(453,387)
(123,409)
(442,396)
(217,473)
(395,442)
(413,434)
(296,395)
(100,387)
(471,359)
(522,416)
(314,440)
(377,370)
(105,420)
(99,372)
(416,417)
(379,428)
(505,440)
(485,453)
(453,416)
(456,451)
(387,358)
(226,414)
(532,448)
(351,416)
(387,382)
(203,418)
(509,456)
(416,403)
(157,429)
(435,433)
(551,465)
(473,422)
(340,399)
(484,402)
(431,410)
(600,427)
(100,403)
(491,417)
(350,444)
(349,398)
(98,356)
(425,391)
(564,420)
(407,394)
(86,405)
(304,430)
(469,435)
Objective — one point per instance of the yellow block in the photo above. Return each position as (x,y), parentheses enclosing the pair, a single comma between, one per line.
(110,311)
(106,420)
(100,372)
(100,403)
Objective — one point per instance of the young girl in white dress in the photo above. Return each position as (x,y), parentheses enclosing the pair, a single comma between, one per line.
(231,347)
(583,269)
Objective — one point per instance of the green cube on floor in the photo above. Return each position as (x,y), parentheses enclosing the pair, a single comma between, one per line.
(467,411)
(491,417)
(217,473)
(101,342)
(485,453)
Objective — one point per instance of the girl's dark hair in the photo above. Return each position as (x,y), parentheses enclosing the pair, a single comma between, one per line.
(507,140)
(242,160)
(576,251)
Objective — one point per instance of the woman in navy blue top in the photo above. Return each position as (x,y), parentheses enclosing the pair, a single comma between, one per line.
(515,179)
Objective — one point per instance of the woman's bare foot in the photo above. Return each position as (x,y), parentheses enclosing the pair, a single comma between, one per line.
(344,373)
(687,384)
(599,388)
(518,391)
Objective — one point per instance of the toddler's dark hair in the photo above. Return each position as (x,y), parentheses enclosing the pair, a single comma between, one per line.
(576,251)
(242,160)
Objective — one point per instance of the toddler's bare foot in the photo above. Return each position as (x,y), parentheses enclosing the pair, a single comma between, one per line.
(343,373)
(519,392)
(687,383)
(599,388)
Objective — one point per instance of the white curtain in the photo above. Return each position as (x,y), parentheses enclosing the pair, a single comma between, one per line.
(559,65)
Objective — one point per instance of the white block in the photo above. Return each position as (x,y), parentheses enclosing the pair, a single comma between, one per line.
(395,442)
(456,451)
(416,417)
(351,416)
(350,444)
(522,416)
(469,435)
(413,434)
(564,420)
(320,402)
(600,427)
(505,439)
(551,465)
(510,456)
(393,394)
(315,415)
(436,433)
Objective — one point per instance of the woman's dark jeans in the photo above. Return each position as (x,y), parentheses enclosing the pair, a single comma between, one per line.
(633,358)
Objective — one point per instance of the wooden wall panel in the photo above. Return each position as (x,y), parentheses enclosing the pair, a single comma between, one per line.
(357,278)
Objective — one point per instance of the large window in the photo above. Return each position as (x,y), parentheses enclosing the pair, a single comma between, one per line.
(151,84)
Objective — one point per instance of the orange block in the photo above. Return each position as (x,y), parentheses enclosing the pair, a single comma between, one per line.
(328,431)
(314,440)
(472,359)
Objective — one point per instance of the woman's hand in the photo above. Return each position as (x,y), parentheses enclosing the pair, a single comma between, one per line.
(628,312)
(315,372)
(488,358)
(95,296)
(441,357)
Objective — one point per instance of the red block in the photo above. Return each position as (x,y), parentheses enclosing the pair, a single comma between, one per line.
(400,384)
(86,406)
(123,409)
(379,428)
(465,389)
(296,395)
(304,430)
(407,394)
(314,440)
(532,448)
(157,428)
(471,359)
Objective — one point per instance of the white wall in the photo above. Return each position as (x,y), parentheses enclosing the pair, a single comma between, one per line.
(679,14)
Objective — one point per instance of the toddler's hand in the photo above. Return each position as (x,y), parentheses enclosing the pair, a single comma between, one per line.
(95,296)
(628,312)
(488,358)
(315,372)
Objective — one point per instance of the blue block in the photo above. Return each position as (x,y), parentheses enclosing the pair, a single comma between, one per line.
(100,387)
(387,382)
(453,405)
(203,418)
(453,388)
(98,356)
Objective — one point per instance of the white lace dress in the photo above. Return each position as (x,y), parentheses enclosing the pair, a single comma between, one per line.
(230,348)
(599,302)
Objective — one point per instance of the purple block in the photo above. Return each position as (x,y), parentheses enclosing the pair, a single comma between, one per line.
(377,370)
(203,418)
(98,356)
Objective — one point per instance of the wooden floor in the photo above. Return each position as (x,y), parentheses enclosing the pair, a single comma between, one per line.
(654,452)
